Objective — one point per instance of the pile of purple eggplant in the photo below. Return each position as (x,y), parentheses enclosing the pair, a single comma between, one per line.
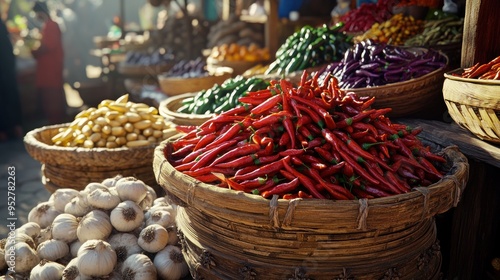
(370,63)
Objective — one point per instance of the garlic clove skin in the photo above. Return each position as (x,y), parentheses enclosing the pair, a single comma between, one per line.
(111,182)
(96,258)
(52,250)
(103,199)
(21,257)
(22,237)
(78,206)
(138,267)
(170,263)
(61,197)
(31,229)
(153,238)
(47,270)
(43,214)
(94,225)
(131,188)
(93,186)
(147,202)
(64,227)
(126,216)
(125,245)
(45,234)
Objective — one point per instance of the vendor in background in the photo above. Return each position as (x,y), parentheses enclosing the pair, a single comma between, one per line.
(10,104)
(49,57)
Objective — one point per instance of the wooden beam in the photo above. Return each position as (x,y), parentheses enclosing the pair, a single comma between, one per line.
(481,40)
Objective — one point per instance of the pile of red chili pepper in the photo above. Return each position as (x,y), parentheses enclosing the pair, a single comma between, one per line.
(490,70)
(363,17)
(309,141)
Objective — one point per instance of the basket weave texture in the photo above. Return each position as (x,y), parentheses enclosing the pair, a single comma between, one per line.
(474,104)
(229,234)
(168,109)
(75,167)
(408,97)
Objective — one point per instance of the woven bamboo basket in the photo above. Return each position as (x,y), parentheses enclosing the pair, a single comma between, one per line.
(66,167)
(474,104)
(175,85)
(168,109)
(239,67)
(228,233)
(408,97)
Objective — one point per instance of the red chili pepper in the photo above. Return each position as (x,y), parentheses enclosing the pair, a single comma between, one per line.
(222,119)
(425,152)
(236,152)
(284,139)
(239,162)
(347,169)
(407,172)
(306,133)
(262,93)
(208,178)
(303,194)
(193,155)
(209,170)
(304,180)
(229,134)
(332,169)
(324,113)
(289,196)
(431,169)
(303,78)
(186,128)
(185,166)
(282,188)
(313,129)
(246,169)
(360,193)
(183,151)
(291,152)
(357,168)
(288,124)
(316,142)
(361,126)
(209,155)
(270,119)
(252,101)
(303,120)
(354,119)
(393,180)
(347,108)
(314,116)
(380,112)
(375,191)
(310,159)
(297,161)
(204,141)
(318,166)
(353,146)
(367,103)
(263,170)
(383,126)
(266,105)
(238,110)
(265,159)
(337,192)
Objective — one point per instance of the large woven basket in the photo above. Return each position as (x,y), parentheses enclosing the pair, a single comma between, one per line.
(66,167)
(168,109)
(409,97)
(239,67)
(143,70)
(229,233)
(474,104)
(175,85)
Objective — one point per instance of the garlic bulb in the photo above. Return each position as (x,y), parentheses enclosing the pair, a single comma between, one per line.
(31,229)
(64,227)
(61,197)
(153,193)
(22,237)
(93,186)
(47,270)
(126,216)
(52,249)
(96,258)
(124,244)
(170,263)
(153,238)
(160,217)
(111,182)
(45,234)
(94,225)
(103,199)
(43,214)
(78,206)
(131,188)
(71,271)
(138,267)
(74,247)
(21,257)
(167,207)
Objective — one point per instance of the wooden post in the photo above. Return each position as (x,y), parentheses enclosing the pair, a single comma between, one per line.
(481,40)
(271,28)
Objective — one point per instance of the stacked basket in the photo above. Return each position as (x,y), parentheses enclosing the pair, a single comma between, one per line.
(228,234)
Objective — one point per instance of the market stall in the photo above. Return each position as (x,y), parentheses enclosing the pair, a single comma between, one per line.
(362,147)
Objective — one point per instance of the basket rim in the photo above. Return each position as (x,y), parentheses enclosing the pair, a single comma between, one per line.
(450,75)
(357,207)
(221,72)
(163,107)
(41,151)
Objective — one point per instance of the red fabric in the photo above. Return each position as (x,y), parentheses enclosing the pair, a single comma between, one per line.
(49,69)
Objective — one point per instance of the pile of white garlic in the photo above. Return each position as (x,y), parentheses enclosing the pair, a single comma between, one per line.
(115,229)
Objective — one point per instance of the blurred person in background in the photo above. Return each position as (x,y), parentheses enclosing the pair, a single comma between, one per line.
(10,104)
(49,56)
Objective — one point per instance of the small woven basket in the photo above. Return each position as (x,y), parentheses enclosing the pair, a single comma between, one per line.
(143,70)
(229,234)
(176,85)
(239,67)
(168,109)
(75,167)
(474,104)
